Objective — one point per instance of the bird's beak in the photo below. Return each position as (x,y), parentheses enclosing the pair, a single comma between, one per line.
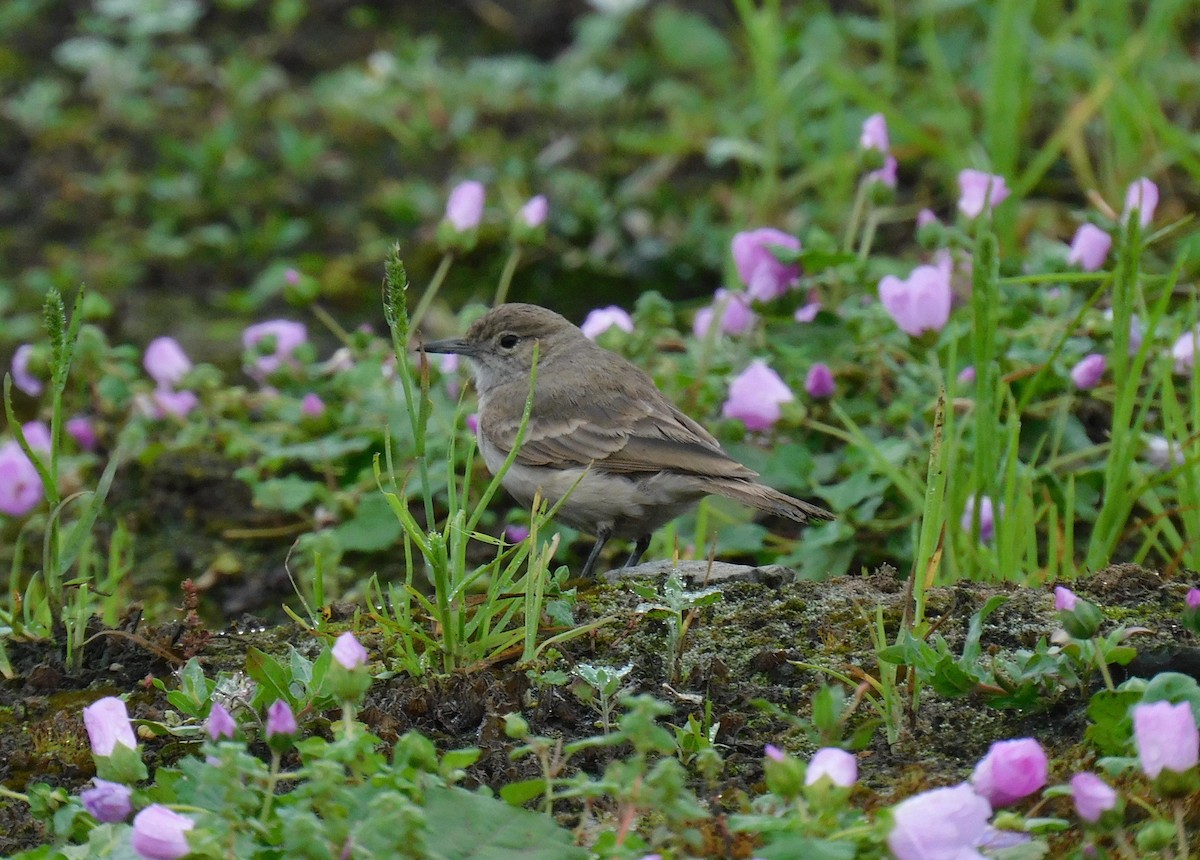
(457,346)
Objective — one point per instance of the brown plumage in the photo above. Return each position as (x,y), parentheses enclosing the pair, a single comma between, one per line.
(595,415)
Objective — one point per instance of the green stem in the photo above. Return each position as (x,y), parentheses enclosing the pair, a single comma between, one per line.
(1102,665)
(506,276)
(330,323)
(1181,827)
(272,780)
(431,291)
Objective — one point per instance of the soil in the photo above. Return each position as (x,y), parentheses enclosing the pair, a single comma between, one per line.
(750,657)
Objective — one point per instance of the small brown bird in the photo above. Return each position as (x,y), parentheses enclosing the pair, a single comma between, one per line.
(595,415)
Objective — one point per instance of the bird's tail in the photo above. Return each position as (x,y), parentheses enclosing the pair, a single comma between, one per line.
(766,499)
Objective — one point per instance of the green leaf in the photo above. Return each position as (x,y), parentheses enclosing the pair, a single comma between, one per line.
(520,793)
(273,680)
(789,846)
(688,42)
(477,827)
(285,494)
(1111,727)
(372,528)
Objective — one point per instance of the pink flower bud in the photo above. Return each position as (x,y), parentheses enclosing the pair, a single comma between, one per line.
(160,834)
(773,752)
(1166,737)
(220,723)
(978,189)
(926,216)
(1087,373)
(807,313)
(107,802)
(1193,598)
(885,175)
(80,429)
(175,403)
(534,212)
(349,652)
(1010,771)
(755,395)
(280,719)
(107,724)
(515,534)
(602,319)
(966,376)
(1064,599)
(761,271)
(312,406)
(1089,248)
(987,518)
(819,382)
(875,133)
(464,207)
(838,765)
(1141,195)
(1183,352)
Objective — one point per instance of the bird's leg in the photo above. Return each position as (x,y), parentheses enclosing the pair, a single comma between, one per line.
(602,535)
(639,549)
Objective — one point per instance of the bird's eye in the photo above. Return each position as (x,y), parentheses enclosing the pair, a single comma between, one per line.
(508,341)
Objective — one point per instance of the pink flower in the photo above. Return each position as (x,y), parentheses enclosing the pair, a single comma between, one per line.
(464,207)
(533,213)
(312,406)
(926,216)
(807,313)
(885,175)
(220,723)
(175,403)
(1064,599)
(1184,351)
(166,361)
(920,302)
(1010,771)
(107,802)
(977,189)
(472,422)
(1087,373)
(942,824)
(761,271)
(1193,598)
(819,382)
(875,133)
(349,652)
(515,534)
(1092,795)
(272,343)
(966,376)
(20,484)
(987,518)
(602,319)
(755,395)
(37,435)
(107,724)
(22,378)
(730,311)
(81,430)
(773,752)
(292,276)
(1089,248)
(280,719)
(1166,737)
(1142,195)
(840,766)
(160,834)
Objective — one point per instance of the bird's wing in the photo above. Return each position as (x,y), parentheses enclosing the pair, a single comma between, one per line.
(614,432)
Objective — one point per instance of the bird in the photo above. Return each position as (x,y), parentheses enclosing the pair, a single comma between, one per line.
(600,432)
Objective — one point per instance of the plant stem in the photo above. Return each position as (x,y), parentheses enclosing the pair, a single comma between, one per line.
(506,276)
(431,291)
(272,780)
